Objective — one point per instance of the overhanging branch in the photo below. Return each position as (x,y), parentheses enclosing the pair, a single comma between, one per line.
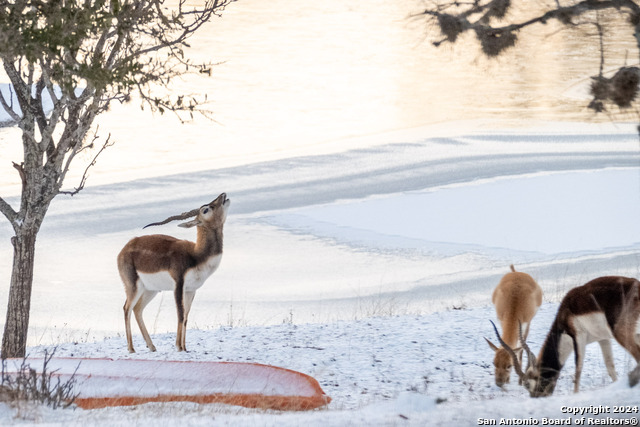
(561,13)
(566,12)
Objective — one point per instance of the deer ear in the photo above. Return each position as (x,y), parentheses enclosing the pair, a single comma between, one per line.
(492,345)
(190,224)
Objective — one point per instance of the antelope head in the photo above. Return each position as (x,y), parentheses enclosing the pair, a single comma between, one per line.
(212,214)
(530,378)
(503,363)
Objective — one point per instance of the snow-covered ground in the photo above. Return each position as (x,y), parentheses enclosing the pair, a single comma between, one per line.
(370,269)
(391,370)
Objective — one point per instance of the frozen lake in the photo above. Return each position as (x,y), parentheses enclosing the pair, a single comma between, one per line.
(548,213)
(419,225)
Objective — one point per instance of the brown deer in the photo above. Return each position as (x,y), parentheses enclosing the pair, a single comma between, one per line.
(154,263)
(516,298)
(604,308)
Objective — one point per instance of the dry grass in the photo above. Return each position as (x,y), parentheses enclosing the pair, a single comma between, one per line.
(31,385)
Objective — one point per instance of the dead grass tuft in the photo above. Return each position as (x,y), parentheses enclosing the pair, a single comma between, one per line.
(29,385)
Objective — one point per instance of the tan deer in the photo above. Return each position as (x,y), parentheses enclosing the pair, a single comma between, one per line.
(604,308)
(154,263)
(516,298)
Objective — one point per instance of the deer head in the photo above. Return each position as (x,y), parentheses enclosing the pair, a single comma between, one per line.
(214,213)
(530,376)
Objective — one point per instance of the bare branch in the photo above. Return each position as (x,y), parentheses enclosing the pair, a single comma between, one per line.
(185,31)
(8,106)
(8,212)
(47,131)
(21,89)
(495,36)
(85,175)
(563,13)
(452,25)
(20,169)
(38,110)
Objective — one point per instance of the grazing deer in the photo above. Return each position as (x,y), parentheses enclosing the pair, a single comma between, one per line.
(516,298)
(604,308)
(150,264)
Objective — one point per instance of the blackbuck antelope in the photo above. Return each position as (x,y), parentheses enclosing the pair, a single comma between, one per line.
(516,298)
(604,308)
(150,264)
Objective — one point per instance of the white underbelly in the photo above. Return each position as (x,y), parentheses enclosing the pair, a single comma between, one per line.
(594,326)
(193,280)
(157,281)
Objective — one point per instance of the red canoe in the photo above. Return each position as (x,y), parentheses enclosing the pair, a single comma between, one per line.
(106,382)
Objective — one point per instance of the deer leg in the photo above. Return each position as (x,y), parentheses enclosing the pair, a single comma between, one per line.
(526,330)
(132,300)
(580,344)
(188,299)
(129,278)
(179,296)
(630,342)
(146,297)
(607,355)
(626,329)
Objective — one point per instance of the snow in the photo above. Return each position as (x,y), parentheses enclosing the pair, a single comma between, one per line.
(508,213)
(351,267)
(382,370)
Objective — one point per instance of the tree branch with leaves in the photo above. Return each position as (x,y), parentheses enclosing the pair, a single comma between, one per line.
(66,62)
(497,31)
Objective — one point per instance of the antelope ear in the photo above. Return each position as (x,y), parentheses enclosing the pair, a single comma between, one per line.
(518,351)
(190,224)
(492,345)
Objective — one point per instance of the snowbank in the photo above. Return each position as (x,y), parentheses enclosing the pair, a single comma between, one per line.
(398,370)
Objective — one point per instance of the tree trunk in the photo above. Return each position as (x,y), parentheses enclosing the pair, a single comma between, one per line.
(14,339)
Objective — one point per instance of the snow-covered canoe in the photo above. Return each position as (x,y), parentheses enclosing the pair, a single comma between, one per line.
(106,382)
